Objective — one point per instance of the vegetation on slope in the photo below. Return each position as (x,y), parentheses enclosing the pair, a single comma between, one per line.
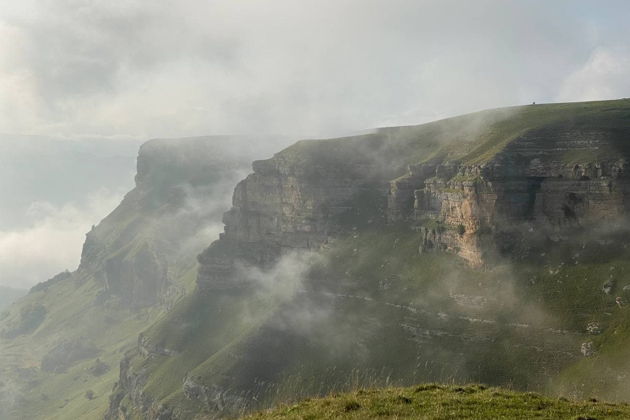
(371,311)
(370,296)
(471,139)
(442,402)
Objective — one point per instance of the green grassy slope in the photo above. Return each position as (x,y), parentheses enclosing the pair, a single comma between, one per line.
(75,314)
(368,311)
(470,139)
(433,402)
(373,312)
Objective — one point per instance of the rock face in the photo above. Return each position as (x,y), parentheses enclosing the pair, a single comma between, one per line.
(466,208)
(295,202)
(453,205)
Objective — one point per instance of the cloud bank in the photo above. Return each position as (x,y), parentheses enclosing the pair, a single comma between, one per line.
(173,68)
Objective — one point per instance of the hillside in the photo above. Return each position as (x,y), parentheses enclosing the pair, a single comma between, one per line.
(488,248)
(433,402)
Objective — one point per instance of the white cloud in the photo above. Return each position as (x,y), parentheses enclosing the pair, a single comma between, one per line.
(603,76)
(53,241)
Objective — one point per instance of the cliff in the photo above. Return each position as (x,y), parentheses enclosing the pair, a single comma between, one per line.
(557,167)
(520,192)
(549,179)
(299,199)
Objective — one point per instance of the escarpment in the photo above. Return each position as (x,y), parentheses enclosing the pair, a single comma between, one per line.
(298,199)
(546,179)
(475,186)
(550,180)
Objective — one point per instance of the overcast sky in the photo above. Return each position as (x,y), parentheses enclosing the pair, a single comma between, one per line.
(147,68)
(136,69)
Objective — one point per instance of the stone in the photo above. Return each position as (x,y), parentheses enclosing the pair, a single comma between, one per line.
(587,349)
(608,286)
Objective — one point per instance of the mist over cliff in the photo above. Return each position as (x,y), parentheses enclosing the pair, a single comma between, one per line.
(212,208)
(456,253)
(489,247)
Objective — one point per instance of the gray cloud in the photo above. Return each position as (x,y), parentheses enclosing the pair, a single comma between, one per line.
(173,68)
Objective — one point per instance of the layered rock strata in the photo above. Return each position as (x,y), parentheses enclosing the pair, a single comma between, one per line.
(532,181)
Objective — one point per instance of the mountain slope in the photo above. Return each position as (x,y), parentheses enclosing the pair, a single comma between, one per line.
(338,266)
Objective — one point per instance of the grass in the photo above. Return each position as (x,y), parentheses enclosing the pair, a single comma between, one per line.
(442,402)
(472,139)
(386,284)
(527,336)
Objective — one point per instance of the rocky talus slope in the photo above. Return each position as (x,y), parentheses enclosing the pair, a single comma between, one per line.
(519,194)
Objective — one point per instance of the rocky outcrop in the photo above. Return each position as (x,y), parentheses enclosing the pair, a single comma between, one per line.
(140,278)
(294,202)
(552,178)
(532,181)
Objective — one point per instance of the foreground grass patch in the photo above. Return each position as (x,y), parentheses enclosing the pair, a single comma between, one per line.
(433,401)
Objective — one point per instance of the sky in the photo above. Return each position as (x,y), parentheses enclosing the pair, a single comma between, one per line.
(159,68)
(129,70)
